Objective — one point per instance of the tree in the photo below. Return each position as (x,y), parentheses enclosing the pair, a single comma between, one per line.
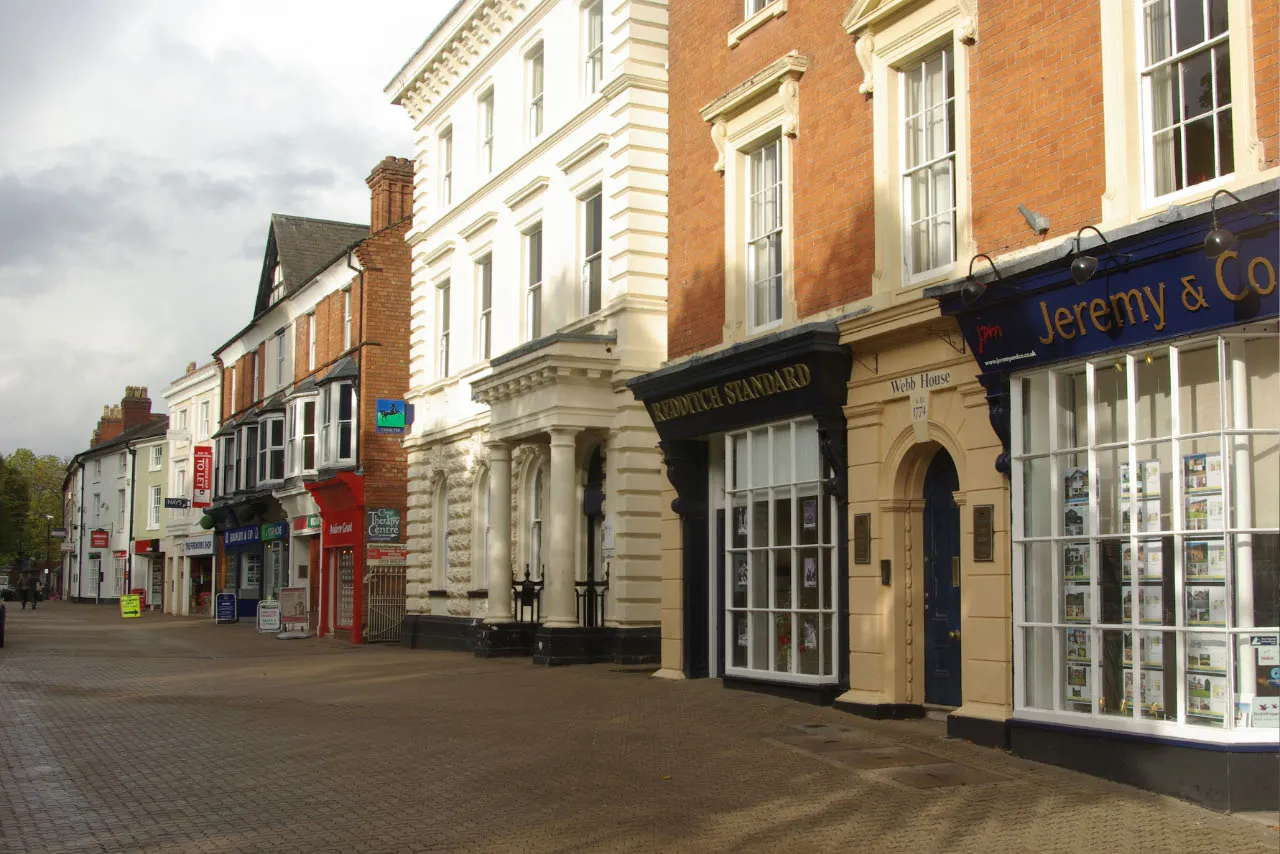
(30,490)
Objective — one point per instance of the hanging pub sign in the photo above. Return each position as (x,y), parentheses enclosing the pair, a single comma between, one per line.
(98,539)
(382,525)
(1124,309)
(202,476)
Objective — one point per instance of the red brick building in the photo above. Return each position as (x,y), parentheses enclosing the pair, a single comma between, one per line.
(864,196)
(304,478)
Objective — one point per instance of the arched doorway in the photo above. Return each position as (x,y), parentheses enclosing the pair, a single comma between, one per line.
(942,682)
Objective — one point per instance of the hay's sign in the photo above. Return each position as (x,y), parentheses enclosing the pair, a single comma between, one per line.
(732,392)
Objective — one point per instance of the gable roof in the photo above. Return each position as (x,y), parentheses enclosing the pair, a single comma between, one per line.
(303,247)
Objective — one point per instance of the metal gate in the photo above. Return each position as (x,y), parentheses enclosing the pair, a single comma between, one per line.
(346,562)
(384,606)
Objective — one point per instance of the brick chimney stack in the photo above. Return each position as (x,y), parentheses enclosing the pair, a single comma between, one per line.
(110,425)
(391,192)
(135,406)
(191,367)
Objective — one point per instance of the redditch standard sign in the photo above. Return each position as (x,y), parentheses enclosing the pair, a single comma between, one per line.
(731,392)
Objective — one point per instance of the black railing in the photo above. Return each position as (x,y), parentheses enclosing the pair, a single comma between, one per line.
(526,598)
(591,596)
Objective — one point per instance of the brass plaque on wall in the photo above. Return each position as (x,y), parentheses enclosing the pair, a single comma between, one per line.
(862,538)
(984,532)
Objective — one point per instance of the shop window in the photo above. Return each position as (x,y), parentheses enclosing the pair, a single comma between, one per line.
(781,571)
(1147,540)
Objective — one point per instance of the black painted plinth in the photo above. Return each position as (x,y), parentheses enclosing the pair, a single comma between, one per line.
(983,731)
(636,645)
(882,711)
(504,640)
(431,631)
(554,647)
(1234,779)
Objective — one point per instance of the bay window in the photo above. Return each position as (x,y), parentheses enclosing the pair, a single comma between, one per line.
(247,460)
(271,450)
(1147,539)
(228,479)
(301,437)
(337,425)
(780,560)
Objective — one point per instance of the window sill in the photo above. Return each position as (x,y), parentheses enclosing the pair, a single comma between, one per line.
(437,594)
(477,594)
(776,9)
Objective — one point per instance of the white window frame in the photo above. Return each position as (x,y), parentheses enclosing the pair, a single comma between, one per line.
(155,458)
(122,501)
(97,470)
(484,130)
(154,503)
(765,234)
(277,285)
(593,50)
(180,482)
(202,423)
(333,425)
(182,418)
(442,328)
(780,481)
(97,509)
(271,454)
(1056,451)
(484,293)
(247,456)
(1125,107)
(282,349)
(937,212)
(592,261)
(533,302)
(753,7)
(228,473)
(346,319)
(324,412)
(311,341)
(536,74)
(445,155)
(886,44)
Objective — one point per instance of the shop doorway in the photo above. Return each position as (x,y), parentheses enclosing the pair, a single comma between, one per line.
(942,684)
(344,565)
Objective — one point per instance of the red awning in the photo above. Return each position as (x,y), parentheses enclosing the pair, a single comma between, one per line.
(342,492)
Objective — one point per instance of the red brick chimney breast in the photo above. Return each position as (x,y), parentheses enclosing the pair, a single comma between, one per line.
(390,192)
(135,406)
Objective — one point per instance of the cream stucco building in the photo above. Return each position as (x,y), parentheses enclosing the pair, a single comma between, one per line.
(539,289)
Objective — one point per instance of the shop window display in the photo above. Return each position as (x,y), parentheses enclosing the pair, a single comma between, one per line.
(780,558)
(1147,536)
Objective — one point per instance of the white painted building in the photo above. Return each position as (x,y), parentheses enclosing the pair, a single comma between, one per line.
(539,288)
(194,401)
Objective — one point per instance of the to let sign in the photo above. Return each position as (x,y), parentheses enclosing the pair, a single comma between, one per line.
(202,476)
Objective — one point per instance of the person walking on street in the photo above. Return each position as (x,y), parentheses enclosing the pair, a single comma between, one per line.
(33,587)
(24,592)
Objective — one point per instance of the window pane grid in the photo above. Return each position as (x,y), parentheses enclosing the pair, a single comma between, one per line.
(764,251)
(780,555)
(1194,600)
(928,183)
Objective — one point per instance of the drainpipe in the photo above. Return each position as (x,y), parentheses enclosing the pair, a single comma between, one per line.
(133,495)
(80,537)
(355,439)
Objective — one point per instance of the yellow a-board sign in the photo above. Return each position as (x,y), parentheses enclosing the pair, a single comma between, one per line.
(130,606)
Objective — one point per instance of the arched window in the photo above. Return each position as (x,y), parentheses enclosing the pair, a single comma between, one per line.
(536,505)
(442,534)
(480,532)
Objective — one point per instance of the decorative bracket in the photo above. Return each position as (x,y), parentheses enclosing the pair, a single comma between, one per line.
(874,367)
(954,340)
(719,132)
(864,48)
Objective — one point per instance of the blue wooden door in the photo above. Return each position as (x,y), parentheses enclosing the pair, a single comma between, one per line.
(942,583)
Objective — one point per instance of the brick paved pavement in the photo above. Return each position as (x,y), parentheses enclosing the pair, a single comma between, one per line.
(172,735)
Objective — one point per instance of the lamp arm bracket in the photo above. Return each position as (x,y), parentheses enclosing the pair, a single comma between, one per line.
(952,339)
(873,366)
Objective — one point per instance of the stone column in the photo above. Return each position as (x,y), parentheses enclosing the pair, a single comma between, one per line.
(500,533)
(559,610)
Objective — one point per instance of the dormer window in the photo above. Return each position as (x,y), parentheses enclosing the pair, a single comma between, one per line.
(277,286)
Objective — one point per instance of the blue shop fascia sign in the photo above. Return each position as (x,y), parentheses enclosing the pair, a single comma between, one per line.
(1158,292)
(238,538)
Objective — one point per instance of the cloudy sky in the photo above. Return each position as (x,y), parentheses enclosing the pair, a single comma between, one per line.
(143,146)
